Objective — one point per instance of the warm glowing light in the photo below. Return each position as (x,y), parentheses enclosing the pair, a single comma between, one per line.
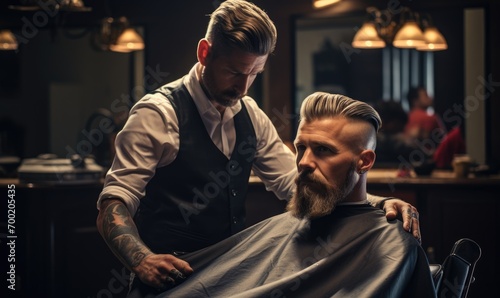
(434,40)
(128,41)
(323,3)
(7,40)
(367,38)
(409,36)
(380,28)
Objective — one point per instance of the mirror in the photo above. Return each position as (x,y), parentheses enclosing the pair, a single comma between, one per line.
(326,61)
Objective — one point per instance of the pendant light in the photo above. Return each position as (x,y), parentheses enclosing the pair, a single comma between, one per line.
(7,40)
(381,29)
(367,37)
(128,41)
(434,40)
(323,3)
(410,36)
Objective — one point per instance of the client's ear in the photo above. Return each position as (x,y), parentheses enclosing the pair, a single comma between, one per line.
(366,161)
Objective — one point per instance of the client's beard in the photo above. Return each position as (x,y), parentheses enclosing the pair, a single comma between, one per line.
(313,198)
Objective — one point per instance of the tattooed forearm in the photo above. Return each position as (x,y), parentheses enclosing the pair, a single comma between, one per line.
(120,233)
(128,247)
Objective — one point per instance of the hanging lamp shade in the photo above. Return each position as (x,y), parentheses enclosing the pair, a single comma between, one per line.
(434,40)
(409,36)
(128,41)
(7,40)
(367,37)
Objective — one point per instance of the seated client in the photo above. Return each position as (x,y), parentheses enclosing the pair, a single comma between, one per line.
(331,242)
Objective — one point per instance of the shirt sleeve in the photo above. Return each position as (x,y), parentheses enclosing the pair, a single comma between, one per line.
(149,139)
(274,162)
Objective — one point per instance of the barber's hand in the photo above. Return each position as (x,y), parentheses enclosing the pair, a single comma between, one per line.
(398,208)
(162,270)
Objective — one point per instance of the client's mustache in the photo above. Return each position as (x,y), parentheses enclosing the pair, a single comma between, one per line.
(307,177)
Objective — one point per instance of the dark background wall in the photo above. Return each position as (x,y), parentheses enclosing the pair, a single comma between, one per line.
(172,30)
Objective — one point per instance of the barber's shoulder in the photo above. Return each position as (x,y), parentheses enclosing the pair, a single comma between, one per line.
(155,101)
(257,115)
(250,103)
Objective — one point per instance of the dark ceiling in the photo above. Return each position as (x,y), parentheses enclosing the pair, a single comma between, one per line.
(139,11)
(136,11)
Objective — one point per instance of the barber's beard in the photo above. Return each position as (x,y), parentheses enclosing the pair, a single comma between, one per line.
(226,98)
(314,198)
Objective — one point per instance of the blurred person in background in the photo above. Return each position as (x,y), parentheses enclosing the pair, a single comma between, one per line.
(393,145)
(423,125)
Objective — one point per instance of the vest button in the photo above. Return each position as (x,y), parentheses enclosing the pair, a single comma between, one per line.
(235,219)
(234,193)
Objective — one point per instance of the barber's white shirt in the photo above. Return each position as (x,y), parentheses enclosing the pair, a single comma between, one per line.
(150,139)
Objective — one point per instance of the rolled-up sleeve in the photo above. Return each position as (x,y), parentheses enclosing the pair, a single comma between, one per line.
(149,139)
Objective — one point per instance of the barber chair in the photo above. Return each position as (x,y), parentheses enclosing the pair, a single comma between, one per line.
(454,277)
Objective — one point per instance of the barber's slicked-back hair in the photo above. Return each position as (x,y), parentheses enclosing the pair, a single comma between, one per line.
(238,24)
(323,105)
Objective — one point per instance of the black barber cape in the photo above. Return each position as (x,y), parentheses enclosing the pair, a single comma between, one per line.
(354,252)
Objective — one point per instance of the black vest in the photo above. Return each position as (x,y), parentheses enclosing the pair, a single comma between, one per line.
(199,199)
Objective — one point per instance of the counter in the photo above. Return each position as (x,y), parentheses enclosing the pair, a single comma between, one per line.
(59,252)
(381,176)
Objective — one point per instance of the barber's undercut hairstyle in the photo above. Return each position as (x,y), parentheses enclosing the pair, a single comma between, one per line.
(323,105)
(238,24)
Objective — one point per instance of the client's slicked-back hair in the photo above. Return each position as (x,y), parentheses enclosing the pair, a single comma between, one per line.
(322,105)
